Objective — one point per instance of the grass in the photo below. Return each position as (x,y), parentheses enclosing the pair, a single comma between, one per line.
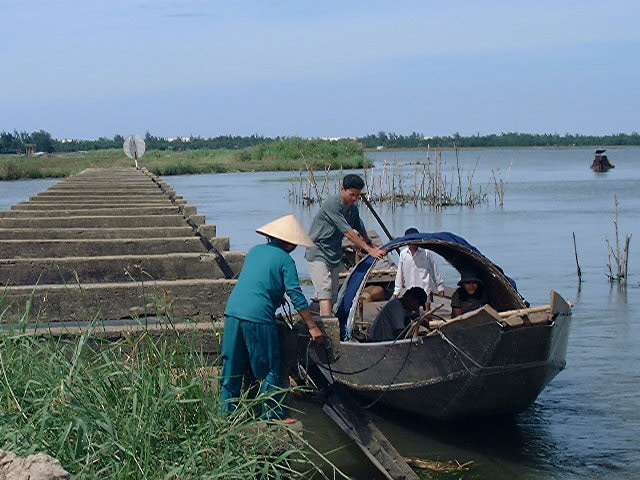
(140,412)
(285,155)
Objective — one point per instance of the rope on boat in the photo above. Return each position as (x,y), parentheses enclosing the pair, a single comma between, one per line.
(482,369)
(457,349)
(382,357)
(386,389)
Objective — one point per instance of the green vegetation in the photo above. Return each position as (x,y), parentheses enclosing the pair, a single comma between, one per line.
(253,153)
(282,155)
(14,142)
(294,153)
(135,411)
(509,139)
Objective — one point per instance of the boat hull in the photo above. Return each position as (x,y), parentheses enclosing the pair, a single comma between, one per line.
(473,368)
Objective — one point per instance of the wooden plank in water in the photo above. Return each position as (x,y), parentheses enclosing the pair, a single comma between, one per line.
(354,421)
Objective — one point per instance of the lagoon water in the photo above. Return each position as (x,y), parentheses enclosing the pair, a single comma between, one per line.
(586,424)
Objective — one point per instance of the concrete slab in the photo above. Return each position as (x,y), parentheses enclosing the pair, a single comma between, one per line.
(99,247)
(143,181)
(89,206)
(108,211)
(203,336)
(115,268)
(80,233)
(208,231)
(78,183)
(135,199)
(114,192)
(95,222)
(129,188)
(194,299)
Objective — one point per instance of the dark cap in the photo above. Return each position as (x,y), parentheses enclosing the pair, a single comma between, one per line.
(411,230)
(469,276)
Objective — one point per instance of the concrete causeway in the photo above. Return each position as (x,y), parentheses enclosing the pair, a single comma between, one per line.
(110,244)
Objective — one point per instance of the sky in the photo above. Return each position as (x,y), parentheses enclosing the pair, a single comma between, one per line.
(89,68)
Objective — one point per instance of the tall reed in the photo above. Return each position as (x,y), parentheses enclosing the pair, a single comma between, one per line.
(428,184)
(135,411)
(620,255)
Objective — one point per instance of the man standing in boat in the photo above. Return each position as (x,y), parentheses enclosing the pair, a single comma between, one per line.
(250,334)
(416,268)
(338,217)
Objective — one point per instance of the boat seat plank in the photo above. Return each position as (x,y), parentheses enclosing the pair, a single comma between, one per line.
(514,321)
(483,315)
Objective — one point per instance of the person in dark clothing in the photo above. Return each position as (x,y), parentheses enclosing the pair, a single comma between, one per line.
(470,294)
(390,321)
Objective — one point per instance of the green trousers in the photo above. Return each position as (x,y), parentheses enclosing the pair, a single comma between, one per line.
(257,345)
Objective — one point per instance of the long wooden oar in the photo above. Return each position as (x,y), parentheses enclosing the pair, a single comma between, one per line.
(374,213)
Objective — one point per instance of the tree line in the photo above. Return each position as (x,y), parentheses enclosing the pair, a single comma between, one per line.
(15,142)
(509,139)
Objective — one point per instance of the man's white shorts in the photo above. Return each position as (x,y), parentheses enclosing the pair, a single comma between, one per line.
(325,279)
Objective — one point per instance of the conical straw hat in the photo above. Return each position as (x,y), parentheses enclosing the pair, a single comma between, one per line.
(287,228)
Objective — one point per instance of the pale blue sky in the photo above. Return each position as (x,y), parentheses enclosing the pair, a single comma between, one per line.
(90,68)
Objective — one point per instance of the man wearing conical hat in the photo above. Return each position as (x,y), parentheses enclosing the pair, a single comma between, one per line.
(250,333)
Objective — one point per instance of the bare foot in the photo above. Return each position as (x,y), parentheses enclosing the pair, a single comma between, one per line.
(288,420)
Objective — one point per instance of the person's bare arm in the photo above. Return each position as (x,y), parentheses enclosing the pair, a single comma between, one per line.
(455,312)
(360,243)
(365,237)
(314,331)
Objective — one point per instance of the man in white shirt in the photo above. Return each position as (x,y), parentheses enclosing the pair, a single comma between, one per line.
(416,268)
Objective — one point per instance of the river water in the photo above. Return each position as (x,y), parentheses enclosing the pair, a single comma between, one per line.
(586,423)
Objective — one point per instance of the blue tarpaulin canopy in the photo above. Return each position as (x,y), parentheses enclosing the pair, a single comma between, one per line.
(502,291)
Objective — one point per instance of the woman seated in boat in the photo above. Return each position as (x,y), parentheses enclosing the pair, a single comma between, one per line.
(390,321)
(469,295)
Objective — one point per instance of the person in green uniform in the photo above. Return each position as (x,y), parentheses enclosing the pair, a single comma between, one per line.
(338,217)
(250,335)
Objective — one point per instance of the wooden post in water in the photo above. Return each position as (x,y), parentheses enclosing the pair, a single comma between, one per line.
(575,250)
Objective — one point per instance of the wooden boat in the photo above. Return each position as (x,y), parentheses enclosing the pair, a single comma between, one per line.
(601,163)
(494,360)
